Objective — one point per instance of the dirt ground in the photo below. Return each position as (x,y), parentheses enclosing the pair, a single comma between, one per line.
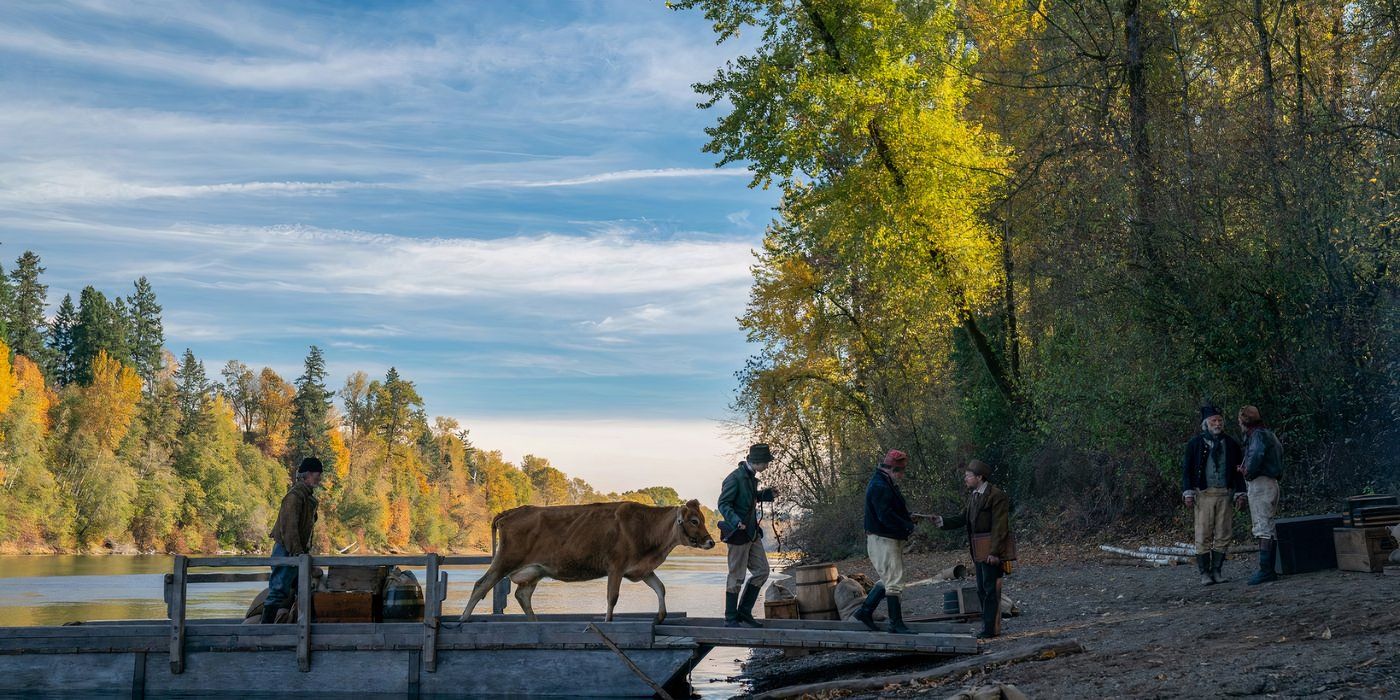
(1151,633)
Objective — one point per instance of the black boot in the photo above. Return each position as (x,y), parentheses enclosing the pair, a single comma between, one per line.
(269,615)
(1217,564)
(731,606)
(1203,566)
(1267,552)
(866,613)
(744,610)
(896,616)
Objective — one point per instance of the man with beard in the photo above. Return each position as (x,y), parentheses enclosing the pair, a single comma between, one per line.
(1208,484)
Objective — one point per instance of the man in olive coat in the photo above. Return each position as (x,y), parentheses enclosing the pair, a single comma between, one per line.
(291,535)
(738,505)
(986,512)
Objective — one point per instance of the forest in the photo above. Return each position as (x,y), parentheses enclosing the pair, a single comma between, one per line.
(110,442)
(1044,233)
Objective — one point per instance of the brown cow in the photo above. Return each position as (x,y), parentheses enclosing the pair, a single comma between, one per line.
(581,543)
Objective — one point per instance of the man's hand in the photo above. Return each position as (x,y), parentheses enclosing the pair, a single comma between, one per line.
(1239,500)
(993,559)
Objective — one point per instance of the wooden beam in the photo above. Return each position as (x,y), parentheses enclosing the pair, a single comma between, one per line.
(432,601)
(177,616)
(824,639)
(500,596)
(466,561)
(831,625)
(305,613)
(1047,651)
(661,692)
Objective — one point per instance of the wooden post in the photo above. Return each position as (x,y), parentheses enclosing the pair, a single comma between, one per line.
(305,613)
(436,589)
(500,597)
(177,615)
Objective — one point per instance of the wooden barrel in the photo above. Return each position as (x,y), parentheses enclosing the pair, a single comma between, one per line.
(816,592)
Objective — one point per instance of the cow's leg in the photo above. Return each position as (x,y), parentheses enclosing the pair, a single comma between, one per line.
(483,585)
(525,580)
(660,588)
(614,584)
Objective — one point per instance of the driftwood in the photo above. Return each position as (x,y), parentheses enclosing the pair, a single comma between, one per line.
(1010,656)
(1234,549)
(1143,555)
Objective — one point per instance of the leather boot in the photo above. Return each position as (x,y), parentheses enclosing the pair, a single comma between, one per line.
(866,613)
(1267,551)
(896,616)
(744,610)
(269,615)
(1203,566)
(1217,564)
(731,606)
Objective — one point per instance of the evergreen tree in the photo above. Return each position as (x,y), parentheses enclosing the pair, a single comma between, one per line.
(101,327)
(191,394)
(311,413)
(25,326)
(6,296)
(146,333)
(394,411)
(60,366)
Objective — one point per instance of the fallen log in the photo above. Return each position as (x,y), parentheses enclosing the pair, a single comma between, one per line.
(1169,551)
(1234,549)
(1143,555)
(1009,656)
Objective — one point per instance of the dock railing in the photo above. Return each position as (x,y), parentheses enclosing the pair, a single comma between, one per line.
(434,593)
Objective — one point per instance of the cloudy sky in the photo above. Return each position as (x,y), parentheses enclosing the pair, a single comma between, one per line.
(507,201)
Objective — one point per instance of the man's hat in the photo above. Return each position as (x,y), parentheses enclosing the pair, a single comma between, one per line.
(978,467)
(759,453)
(895,458)
(310,464)
(1208,410)
(1249,415)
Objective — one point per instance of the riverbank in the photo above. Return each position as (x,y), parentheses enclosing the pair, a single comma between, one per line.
(1147,633)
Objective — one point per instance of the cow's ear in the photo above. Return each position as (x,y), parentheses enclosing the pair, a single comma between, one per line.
(692,503)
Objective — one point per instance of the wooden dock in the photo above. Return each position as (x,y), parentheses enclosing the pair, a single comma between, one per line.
(558,655)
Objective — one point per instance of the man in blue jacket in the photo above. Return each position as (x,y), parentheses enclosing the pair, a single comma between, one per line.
(738,505)
(1209,481)
(1262,469)
(888,523)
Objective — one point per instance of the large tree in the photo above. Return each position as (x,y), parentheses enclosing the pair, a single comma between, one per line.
(25,325)
(311,413)
(147,333)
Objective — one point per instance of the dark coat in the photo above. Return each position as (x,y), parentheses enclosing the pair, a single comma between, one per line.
(886,514)
(295,519)
(993,516)
(739,498)
(1193,465)
(1263,455)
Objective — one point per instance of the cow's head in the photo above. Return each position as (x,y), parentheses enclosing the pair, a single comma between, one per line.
(692,523)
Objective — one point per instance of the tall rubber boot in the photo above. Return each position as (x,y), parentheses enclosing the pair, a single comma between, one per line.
(731,606)
(1268,550)
(269,615)
(1203,566)
(744,610)
(896,616)
(866,613)
(1217,565)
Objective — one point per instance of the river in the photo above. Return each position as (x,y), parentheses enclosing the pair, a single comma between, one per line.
(54,589)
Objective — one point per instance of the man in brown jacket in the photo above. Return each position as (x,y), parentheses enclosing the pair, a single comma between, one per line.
(291,536)
(986,517)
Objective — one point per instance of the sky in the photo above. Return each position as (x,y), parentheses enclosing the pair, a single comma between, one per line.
(506,201)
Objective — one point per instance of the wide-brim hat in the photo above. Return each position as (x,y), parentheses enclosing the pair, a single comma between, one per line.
(759,452)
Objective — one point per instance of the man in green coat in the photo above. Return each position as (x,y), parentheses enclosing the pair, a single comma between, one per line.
(738,505)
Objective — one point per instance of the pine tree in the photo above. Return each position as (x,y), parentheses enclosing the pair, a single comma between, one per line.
(101,327)
(311,412)
(25,327)
(6,297)
(60,366)
(191,394)
(146,333)
(394,411)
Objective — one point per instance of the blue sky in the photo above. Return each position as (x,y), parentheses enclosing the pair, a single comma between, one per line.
(507,201)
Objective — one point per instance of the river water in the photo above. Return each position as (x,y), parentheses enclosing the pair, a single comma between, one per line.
(54,589)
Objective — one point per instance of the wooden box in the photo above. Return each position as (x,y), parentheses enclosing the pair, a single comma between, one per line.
(356,578)
(780,609)
(346,606)
(1305,543)
(1363,548)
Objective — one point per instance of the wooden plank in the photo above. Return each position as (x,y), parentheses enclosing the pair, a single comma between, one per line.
(305,614)
(138,676)
(151,628)
(824,639)
(832,625)
(500,596)
(570,617)
(229,578)
(661,692)
(177,616)
(466,561)
(432,601)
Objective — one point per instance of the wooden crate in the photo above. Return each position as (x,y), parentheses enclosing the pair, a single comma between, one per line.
(1363,548)
(346,606)
(356,578)
(780,609)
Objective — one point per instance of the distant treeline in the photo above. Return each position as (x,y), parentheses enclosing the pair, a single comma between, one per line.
(1042,233)
(108,439)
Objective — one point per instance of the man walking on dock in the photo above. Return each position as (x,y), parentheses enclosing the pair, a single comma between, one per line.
(888,523)
(291,536)
(1262,468)
(738,505)
(1208,484)
(986,517)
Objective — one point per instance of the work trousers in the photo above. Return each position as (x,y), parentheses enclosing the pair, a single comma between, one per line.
(1263,504)
(1214,525)
(887,557)
(282,582)
(989,595)
(750,559)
